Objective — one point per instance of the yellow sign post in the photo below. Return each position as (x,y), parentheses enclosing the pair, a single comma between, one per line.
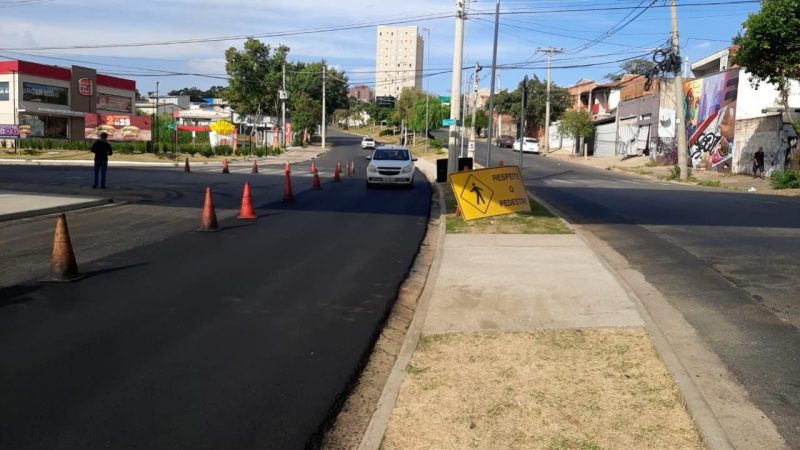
(490,192)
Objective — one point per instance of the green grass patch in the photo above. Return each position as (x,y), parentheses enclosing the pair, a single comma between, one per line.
(709,183)
(788,179)
(538,221)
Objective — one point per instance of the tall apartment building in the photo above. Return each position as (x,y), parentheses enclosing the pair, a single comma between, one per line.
(398,62)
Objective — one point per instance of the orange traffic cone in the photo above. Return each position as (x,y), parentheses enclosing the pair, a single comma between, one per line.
(186,166)
(336,177)
(288,197)
(288,168)
(315,184)
(225,166)
(208,222)
(255,167)
(313,166)
(62,265)
(352,167)
(501,164)
(247,211)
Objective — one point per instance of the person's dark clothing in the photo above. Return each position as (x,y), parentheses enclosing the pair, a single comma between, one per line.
(758,162)
(102,150)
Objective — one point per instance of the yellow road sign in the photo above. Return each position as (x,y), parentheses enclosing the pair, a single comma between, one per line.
(490,192)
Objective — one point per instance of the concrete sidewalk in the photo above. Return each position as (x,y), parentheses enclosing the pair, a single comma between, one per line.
(506,286)
(17,205)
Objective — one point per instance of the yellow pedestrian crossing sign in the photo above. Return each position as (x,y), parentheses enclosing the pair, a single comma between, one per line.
(490,192)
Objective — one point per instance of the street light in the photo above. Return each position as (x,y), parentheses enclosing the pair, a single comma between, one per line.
(427,83)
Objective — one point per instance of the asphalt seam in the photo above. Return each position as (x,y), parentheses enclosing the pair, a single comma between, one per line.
(379,422)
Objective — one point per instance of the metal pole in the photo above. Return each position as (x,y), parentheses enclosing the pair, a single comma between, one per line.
(522,119)
(155,150)
(455,89)
(323,105)
(283,110)
(427,84)
(474,142)
(679,107)
(491,87)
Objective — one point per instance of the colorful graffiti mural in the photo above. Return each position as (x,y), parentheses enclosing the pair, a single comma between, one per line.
(710,118)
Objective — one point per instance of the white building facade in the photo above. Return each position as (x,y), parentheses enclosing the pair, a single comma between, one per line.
(398,60)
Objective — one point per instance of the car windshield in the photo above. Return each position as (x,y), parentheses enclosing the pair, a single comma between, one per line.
(391,155)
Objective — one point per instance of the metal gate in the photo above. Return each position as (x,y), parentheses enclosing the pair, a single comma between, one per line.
(605,141)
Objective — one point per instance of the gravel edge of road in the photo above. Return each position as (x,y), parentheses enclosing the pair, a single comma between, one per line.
(693,357)
(364,410)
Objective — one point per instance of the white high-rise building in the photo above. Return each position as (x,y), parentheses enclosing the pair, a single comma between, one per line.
(398,60)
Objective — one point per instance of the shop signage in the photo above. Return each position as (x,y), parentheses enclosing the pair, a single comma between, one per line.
(85,86)
(9,131)
(43,93)
(118,127)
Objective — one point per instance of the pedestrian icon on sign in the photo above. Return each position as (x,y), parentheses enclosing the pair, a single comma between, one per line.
(478,196)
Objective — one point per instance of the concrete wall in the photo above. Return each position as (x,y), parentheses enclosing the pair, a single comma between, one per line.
(769,133)
(751,101)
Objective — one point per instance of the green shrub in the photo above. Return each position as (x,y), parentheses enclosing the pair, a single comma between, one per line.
(386,132)
(223,150)
(436,143)
(788,179)
(674,173)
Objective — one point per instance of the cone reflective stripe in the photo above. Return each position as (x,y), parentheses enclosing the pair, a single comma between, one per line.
(225,166)
(247,211)
(336,177)
(288,197)
(186,166)
(288,168)
(63,266)
(255,167)
(208,222)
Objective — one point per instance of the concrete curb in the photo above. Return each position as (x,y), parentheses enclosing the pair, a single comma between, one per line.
(54,209)
(373,436)
(709,427)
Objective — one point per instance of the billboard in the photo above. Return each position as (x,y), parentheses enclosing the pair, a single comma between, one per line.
(120,127)
(710,112)
(9,131)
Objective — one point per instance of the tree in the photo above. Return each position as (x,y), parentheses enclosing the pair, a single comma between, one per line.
(481,120)
(510,102)
(255,76)
(638,66)
(306,113)
(770,46)
(435,114)
(576,123)
(307,78)
(195,92)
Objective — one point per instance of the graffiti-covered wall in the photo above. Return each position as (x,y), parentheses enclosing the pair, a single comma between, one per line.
(764,133)
(710,118)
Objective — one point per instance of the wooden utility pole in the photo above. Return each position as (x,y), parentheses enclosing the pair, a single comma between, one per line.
(680,127)
(549,51)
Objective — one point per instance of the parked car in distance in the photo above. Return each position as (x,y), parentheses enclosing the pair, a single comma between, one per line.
(368,143)
(505,141)
(529,145)
(391,165)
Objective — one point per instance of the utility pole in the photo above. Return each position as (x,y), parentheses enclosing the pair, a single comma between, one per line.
(455,89)
(323,105)
(283,109)
(549,51)
(155,149)
(491,87)
(522,119)
(427,84)
(474,142)
(680,127)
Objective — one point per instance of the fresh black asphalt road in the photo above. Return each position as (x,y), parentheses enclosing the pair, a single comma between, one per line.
(244,338)
(729,262)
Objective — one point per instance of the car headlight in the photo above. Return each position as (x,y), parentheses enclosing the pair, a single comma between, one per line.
(371,168)
(408,168)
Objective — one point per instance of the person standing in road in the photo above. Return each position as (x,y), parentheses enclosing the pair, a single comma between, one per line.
(758,162)
(102,150)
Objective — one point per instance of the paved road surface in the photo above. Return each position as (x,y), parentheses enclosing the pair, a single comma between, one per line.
(244,338)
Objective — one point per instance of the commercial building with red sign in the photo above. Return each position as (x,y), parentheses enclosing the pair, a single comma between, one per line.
(52,101)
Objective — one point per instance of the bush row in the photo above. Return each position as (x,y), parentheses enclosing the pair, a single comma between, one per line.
(31,145)
(788,179)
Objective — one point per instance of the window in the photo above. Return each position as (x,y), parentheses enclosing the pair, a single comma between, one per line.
(4,90)
(43,93)
(46,126)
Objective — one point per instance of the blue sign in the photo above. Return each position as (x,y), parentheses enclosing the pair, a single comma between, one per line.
(448,122)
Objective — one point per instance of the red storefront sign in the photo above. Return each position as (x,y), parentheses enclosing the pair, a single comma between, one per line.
(85,86)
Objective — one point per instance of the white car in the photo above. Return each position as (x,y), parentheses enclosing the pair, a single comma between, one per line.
(391,165)
(529,145)
(368,143)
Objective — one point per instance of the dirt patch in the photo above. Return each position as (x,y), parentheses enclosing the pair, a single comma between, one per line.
(555,389)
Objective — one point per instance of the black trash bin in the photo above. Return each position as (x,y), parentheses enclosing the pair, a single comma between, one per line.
(441,170)
(464,162)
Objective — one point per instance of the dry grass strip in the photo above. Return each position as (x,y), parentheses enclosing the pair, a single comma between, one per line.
(553,389)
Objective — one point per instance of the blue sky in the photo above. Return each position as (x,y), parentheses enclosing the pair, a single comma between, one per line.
(29,26)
